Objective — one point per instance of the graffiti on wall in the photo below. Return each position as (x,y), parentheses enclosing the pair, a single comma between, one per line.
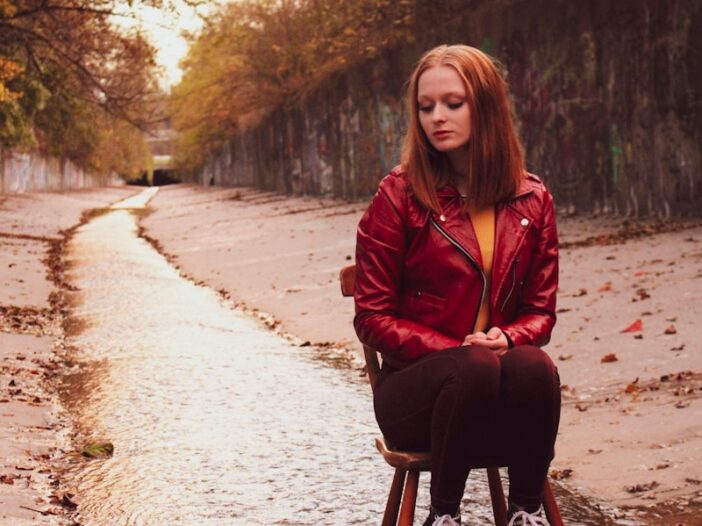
(607,106)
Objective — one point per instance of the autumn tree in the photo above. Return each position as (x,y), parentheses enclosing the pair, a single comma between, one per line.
(70,80)
(255,56)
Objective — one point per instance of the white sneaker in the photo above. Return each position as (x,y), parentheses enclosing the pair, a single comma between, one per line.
(522,518)
(446,520)
(433,519)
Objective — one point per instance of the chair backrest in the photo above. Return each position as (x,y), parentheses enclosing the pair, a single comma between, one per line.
(347,278)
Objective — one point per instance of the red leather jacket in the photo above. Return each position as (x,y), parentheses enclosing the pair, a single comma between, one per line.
(419,279)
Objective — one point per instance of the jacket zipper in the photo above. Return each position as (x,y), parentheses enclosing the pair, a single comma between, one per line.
(514,282)
(472,260)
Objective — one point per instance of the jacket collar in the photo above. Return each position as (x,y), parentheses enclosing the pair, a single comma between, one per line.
(526,186)
(512,222)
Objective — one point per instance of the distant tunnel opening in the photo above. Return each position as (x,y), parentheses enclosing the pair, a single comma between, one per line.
(165,177)
(162,177)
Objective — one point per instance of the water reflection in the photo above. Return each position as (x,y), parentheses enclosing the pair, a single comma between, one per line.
(214,419)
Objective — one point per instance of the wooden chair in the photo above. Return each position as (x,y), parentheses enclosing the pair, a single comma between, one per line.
(408,464)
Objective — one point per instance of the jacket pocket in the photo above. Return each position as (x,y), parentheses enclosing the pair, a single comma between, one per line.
(421,296)
(418,305)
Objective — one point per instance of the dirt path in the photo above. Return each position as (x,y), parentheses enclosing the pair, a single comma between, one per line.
(631,433)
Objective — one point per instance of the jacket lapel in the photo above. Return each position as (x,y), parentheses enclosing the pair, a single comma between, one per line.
(457,224)
(513,221)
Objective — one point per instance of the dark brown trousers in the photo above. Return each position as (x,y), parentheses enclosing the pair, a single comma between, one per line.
(471,408)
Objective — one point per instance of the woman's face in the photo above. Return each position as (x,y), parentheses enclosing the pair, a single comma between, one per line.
(443,109)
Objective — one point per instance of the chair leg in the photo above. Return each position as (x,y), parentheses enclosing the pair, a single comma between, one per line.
(409,499)
(497,496)
(553,514)
(392,507)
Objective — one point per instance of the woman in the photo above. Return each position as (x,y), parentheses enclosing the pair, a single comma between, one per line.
(457,271)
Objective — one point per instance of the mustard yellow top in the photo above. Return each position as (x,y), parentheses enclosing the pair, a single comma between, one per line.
(484,225)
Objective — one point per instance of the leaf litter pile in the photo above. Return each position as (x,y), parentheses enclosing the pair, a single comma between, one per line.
(629,231)
(677,388)
(25,378)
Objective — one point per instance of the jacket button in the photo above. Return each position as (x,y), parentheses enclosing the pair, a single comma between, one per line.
(442,217)
(524,222)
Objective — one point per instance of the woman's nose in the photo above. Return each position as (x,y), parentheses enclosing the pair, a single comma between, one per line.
(438,115)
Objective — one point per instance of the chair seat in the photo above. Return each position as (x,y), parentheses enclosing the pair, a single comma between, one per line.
(405,460)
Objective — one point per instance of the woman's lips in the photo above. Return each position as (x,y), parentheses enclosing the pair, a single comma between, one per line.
(442,134)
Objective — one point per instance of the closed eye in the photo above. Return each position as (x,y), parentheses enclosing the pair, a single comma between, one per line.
(426,109)
(455,105)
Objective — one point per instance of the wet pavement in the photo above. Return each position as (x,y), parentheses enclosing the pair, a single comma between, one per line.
(214,418)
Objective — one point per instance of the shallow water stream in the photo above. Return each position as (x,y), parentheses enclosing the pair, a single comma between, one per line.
(214,419)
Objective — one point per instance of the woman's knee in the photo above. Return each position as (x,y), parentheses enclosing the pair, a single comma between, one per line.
(477,369)
(532,366)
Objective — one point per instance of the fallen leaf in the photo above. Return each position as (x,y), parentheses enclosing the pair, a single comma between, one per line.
(594,451)
(674,318)
(636,326)
(670,330)
(581,292)
(564,357)
(643,294)
(581,407)
(690,480)
(682,404)
(678,348)
(638,336)
(97,449)
(7,479)
(560,474)
(607,358)
(632,387)
(640,273)
(67,502)
(606,287)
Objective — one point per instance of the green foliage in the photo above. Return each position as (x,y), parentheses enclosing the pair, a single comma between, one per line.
(16,113)
(71,82)
(254,57)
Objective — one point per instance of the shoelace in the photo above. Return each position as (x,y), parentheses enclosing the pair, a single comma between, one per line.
(446,520)
(528,519)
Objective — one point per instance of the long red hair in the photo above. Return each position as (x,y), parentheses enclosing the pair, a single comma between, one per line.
(496,157)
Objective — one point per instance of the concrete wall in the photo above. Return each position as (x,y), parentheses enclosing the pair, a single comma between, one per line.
(608,98)
(33,172)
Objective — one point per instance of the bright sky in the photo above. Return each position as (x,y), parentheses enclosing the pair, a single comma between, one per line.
(164,30)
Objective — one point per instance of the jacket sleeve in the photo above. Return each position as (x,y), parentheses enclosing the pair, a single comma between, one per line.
(536,314)
(380,251)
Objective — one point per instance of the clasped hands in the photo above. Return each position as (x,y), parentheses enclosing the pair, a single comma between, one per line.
(494,339)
